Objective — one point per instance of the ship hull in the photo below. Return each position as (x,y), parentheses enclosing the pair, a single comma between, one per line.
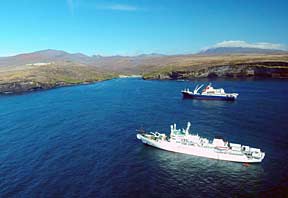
(198,151)
(207,97)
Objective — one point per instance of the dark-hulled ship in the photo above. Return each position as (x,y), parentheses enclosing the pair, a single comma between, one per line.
(209,93)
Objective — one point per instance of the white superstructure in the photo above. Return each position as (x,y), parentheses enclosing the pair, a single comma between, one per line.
(181,141)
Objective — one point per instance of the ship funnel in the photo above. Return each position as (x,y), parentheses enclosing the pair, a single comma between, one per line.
(171,128)
(174,126)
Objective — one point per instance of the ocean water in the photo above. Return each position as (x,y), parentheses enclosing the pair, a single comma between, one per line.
(81,141)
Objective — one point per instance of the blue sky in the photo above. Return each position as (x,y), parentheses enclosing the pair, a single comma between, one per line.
(138,26)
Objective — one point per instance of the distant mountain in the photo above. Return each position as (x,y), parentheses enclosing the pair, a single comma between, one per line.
(239,50)
(107,63)
(48,55)
(150,55)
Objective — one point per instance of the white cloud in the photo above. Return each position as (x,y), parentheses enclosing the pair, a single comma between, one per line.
(261,45)
(71,6)
(119,7)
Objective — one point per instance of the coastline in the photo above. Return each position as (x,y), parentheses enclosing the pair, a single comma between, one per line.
(46,88)
(231,71)
(62,85)
(22,79)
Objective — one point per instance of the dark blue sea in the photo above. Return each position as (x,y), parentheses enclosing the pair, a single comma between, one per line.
(81,141)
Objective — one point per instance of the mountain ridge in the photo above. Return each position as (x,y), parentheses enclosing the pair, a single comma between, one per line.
(120,63)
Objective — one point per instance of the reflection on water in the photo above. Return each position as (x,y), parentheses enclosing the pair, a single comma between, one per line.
(203,174)
(210,103)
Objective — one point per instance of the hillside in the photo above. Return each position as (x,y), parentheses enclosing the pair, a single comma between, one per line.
(17,79)
(52,68)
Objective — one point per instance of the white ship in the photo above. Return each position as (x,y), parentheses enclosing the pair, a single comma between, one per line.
(181,141)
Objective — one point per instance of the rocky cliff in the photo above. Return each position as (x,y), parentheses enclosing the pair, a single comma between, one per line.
(240,70)
(41,77)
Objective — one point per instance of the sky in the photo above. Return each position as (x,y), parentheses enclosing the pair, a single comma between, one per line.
(122,27)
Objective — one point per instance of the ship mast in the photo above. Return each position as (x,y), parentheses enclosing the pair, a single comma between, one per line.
(187,129)
(197,89)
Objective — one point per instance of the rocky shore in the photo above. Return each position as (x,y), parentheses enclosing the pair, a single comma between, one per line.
(241,70)
(30,86)
(15,80)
